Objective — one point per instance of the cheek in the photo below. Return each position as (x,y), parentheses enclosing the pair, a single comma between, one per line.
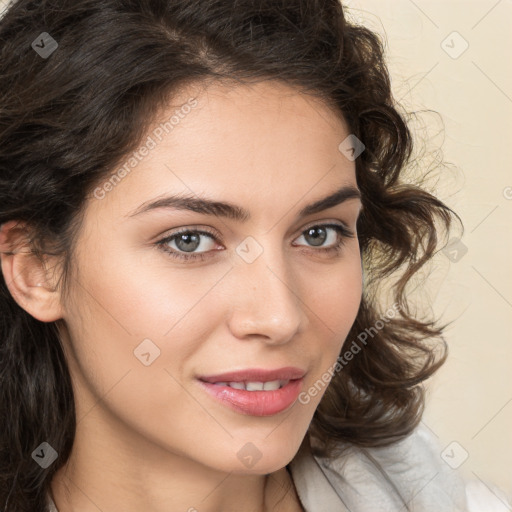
(146,296)
(133,334)
(333,298)
(143,316)
(334,294)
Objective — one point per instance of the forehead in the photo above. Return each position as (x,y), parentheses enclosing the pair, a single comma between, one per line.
(263,102)
(266,116)
(244,143)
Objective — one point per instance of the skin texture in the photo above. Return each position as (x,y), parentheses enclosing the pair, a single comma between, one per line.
(148,437)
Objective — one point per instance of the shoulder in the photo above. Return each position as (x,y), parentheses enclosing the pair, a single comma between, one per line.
(407,475)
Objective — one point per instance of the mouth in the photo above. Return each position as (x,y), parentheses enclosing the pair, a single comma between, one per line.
(255,392)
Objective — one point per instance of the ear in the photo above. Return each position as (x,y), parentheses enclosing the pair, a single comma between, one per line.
(27,275)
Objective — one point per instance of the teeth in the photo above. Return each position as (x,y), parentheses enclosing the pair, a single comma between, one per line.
(256,386)
(271,385)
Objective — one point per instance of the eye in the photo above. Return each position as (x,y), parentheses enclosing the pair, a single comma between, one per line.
(318,235)
(187,241)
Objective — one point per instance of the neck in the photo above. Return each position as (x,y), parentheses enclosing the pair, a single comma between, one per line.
(107,476)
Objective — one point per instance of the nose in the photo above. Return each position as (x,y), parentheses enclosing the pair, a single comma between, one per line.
(266,300)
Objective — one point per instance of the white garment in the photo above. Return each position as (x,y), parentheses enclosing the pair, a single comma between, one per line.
(353,483)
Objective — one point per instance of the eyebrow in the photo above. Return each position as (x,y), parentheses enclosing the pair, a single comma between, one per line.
(234,212)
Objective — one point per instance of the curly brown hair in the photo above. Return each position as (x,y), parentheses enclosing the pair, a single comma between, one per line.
(66,122)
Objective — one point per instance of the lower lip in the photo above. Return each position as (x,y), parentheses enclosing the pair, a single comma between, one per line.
(256,403)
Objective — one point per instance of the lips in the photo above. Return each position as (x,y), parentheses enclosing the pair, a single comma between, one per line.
(255,403)
(255,392)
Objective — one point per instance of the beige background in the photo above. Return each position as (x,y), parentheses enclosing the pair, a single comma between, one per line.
(470,399)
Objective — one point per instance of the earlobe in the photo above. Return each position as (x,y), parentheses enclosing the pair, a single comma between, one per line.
(26,274)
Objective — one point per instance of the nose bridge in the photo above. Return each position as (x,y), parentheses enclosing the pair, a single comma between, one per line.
(266,300)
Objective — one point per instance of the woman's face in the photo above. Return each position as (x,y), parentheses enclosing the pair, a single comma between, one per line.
(264,292)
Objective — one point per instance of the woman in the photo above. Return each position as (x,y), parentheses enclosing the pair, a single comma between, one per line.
(189,193)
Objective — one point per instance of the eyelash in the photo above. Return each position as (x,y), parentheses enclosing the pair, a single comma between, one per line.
(341,230)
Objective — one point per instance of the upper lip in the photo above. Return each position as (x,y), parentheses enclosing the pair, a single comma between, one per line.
(256,375)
